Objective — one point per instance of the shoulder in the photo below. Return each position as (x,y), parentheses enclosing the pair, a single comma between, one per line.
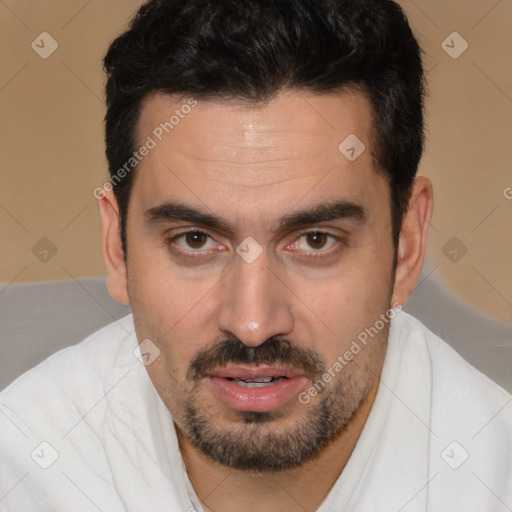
(63,373)
(48,400)
(448,366)
(468,410)
(53,418)
(451,373)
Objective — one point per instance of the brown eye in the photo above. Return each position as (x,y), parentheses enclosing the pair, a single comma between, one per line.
(313,242)
(195,239)
(194,244)
(316,239)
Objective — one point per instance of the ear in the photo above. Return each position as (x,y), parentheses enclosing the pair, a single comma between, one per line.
(413,240)
(111,246)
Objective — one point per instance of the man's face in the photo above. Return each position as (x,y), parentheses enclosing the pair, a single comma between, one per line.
(257,297)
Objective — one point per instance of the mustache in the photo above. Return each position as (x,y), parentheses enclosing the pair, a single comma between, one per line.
(272,351)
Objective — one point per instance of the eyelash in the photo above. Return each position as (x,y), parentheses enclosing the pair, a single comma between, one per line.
(197,254)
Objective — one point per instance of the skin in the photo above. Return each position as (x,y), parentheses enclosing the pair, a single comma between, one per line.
(251,165)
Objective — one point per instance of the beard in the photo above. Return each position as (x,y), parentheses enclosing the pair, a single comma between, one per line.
(265,441)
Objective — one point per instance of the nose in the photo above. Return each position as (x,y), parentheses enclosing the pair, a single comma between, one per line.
(255,303)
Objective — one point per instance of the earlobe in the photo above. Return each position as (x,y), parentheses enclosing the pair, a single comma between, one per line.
(413,240)
(111,247)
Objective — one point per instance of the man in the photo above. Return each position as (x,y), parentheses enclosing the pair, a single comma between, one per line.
(265,225)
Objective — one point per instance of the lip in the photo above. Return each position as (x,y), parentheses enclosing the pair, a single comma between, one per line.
(257,399)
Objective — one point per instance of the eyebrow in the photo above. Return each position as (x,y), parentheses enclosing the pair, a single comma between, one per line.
(323,212)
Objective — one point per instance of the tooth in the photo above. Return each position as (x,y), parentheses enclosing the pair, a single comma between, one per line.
(257,383)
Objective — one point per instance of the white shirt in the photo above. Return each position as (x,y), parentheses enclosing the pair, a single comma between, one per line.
(85,431)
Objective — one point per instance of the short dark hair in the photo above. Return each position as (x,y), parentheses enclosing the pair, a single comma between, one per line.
(252,50)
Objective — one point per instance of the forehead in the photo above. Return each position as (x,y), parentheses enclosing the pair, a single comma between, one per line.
(287,146)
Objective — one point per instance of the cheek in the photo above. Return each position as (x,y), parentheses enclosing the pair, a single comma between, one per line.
(358,288)
(162,312)
(162,295)
(337,310)
(176,314)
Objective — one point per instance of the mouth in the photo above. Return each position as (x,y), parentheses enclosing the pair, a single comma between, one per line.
(257,383)
(257,389)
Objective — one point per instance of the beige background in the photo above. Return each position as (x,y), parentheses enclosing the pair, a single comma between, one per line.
(52,140)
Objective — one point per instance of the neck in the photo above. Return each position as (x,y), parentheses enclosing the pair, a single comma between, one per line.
(221,488)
